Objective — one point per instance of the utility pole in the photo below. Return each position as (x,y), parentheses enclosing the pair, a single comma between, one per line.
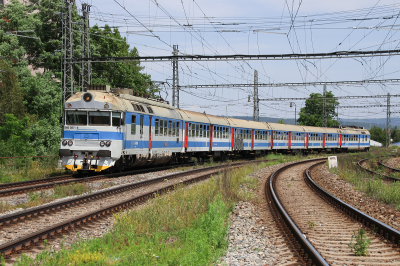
(256,110)
(68,49)
(324,117)
(86,65)
(388,121)
(175,79)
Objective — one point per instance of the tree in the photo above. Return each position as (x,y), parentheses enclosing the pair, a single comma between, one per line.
(107,42)
(311,114)
(14,138)
(11,99)
(378,134)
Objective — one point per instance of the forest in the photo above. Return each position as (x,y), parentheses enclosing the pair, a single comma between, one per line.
(30,74)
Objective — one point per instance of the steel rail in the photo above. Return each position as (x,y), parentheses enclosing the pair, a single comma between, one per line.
(380,228)
(26,214)
(389,167)
(34,181)
(27,241)
(308,252)
(389,178)
(19,190)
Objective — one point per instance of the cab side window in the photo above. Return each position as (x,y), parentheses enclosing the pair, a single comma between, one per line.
(133,125)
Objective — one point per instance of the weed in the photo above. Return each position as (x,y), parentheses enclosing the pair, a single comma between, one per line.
(362,242)
(310,224)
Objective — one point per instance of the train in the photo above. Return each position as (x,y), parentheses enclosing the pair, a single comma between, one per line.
(113,129)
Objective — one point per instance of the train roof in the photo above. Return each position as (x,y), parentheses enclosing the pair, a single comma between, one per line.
(284,127)
(315,129)
(248,124)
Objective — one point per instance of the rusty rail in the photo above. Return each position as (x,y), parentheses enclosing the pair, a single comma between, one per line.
(372,172)
(309,254)
(382,229)
(31,239)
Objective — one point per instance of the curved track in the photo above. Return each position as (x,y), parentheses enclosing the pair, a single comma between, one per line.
(324,225)
(386,177)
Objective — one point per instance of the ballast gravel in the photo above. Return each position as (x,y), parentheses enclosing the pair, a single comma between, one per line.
(251,237)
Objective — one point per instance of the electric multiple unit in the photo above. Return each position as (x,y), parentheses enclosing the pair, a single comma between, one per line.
(114,130)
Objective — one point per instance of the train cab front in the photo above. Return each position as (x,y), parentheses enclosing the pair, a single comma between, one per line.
(92,133)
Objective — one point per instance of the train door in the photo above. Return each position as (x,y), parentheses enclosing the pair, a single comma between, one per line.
(141,131)
(323,140)
(186,134)
(252,139)
(359,141)
(211,136)
(150,133)
(289,140)
(307,140)
(233,138)
(340,140)
(272,139)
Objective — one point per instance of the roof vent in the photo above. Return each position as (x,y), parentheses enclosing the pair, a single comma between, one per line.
(150,110)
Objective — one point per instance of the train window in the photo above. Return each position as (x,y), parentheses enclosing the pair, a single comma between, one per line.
(165,127)
(141,125)
(208,131)
(76,118)
(161,127)
(99,118)
(193,130)
(116,119)
(197,130)
(170,128)
(174,128)
(133,125)
(177,128)
(156,129)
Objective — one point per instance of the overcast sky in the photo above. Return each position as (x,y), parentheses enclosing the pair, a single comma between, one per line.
(262,27)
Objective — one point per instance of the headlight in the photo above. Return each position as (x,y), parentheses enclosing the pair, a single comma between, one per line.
(108,143)
(70,143)
(64,142)
(101,143)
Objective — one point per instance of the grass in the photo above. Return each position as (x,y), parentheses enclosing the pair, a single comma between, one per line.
(30,170)
(371,184)
(187,227)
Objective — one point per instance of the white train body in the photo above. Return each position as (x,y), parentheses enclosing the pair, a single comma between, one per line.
(105,130)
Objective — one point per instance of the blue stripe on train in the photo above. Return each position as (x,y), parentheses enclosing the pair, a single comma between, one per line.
(106,135)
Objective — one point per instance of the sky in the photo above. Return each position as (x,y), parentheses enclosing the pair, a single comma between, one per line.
(263,27)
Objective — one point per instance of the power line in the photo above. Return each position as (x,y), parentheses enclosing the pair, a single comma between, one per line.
(292,84)
(187,57)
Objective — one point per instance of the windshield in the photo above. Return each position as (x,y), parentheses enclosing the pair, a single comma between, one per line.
(116,119)
(99,118)
(76,118)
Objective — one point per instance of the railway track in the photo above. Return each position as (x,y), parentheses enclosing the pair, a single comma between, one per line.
(9,189)
(386,177)
(323,225)
(25,229)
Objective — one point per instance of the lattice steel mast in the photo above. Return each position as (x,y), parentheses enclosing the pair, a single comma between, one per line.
(86,65)
(175,79)
(68,49)
(256,111)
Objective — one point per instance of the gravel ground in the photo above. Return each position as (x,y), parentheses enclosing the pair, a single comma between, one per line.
(346,192)
(253,237)
(393,162)
(95,187)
